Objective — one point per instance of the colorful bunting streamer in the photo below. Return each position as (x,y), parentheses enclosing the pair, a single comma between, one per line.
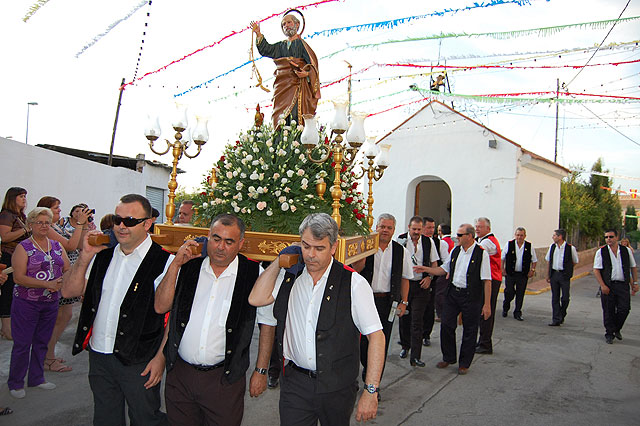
(33,9)
(231,34)
(110,27)
(395,22)
(509,67)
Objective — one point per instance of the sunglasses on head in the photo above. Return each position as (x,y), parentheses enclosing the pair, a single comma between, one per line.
(129,221)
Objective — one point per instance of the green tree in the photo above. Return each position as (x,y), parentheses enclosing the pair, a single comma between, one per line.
(631,223)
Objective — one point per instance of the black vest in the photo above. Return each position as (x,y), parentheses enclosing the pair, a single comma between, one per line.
(426,249)
(474,282)
(436,241)
(337,337)
(140,329)
(510,258)
(397,256)
(567,261)
(240,321)
(607,266)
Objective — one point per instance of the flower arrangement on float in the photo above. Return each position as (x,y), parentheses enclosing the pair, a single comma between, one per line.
(266,179)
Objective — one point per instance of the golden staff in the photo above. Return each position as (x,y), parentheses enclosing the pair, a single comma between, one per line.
(254,69)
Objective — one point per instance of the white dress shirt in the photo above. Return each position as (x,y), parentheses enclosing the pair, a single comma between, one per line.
(558,256)
(415,254)
(443,252)
(519,255)
(299,341)
(204,338)
(488,245)
(117,280)
(382,263)
(459,278)
(617,274)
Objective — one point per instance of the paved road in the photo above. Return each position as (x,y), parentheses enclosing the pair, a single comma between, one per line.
(538,375)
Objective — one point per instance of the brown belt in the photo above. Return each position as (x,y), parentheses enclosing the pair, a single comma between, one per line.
(381,294)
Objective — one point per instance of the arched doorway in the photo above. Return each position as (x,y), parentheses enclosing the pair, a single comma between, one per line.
(433,199)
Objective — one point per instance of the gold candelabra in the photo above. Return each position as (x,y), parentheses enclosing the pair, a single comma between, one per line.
(178,147)
(374,172)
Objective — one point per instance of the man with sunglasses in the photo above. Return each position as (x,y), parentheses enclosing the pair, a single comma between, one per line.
(561,257)
(118,324)
(469,293)
(615,269)
(423,253)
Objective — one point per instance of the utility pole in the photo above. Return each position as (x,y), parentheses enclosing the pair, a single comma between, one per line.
(349,91)
(115,124)
(555,150)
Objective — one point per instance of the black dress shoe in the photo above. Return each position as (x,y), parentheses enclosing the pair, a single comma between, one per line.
(554,324)
(505,313)
(417,363)
(404,353)
(426,342)
(272,383)
(481,350)
(618,335)
(518,317)
(609,339)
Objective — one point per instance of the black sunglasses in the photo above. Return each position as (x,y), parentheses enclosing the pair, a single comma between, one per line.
(460,235)
(129,221)
(609,236)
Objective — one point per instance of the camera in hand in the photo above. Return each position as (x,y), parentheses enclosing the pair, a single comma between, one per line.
(91,213)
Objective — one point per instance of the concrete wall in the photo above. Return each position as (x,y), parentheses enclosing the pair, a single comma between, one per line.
(73,180)
(537,177)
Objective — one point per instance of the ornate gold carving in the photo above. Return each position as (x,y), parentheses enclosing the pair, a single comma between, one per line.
(352,249)
(273,247)
(370,243)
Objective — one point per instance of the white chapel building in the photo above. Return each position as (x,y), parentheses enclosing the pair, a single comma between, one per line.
(452,168)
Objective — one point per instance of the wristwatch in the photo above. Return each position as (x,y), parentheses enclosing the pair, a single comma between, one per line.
(404,302)
(370,388)
(262,371)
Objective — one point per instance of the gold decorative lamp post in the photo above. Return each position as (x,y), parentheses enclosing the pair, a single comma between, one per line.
(200,136)
(374,170)
(341,153)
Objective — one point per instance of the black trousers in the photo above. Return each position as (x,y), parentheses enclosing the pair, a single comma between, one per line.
(202,398)
(514,286)
(7,289)
(486,325)
(429,312)
(459,301)
(615,306)
(275,362)
(440,293)
(113,383)
(383,306)
(301,405)
(411,325)
(559,304)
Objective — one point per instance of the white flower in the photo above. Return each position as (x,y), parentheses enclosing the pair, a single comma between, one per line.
(236,209)
(295,144)
(276,175)
(282,152)
(268,143)
(226,193)
(277,193)
(255,162)
(271,149)
(296,151)
(290,173)
(243,175)
(269,212)
(254,176)
(293,208)
(251,189)
(227,166)
(287,189)
(304,181)
(244,210)
(312,207)
(249,157)
(205,205)
(282,199)
(261,176)
(304,187)
(229,175)
(293,123)
(264,167)
(260,190)
(285,133)
(259,135)
(235,173)
(300,172)
(261,205)
(301,157)
(284,180)
(255,149)
(239,185)
(284,207)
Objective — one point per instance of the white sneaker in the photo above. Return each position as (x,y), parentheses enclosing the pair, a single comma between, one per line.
(17,393)
(46,385)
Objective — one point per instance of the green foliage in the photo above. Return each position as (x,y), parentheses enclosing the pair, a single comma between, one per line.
(631,223)
(588,208)
(266,179)
(634,236)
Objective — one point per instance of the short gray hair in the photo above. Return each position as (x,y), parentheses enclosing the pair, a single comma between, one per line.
(485,220)
(33,214)
(386,216)
(469,229)
(520,228)
(321,225)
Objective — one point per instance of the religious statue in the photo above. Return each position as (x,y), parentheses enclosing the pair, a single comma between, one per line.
(296,89)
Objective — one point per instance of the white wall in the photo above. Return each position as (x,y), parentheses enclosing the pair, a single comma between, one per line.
(73,180)
(482,179)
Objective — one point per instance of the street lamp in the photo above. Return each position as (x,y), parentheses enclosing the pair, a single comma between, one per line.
(26,138)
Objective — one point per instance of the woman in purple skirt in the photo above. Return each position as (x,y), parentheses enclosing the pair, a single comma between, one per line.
(38,264)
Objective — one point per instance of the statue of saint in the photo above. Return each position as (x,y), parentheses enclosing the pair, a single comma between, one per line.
(296,89)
